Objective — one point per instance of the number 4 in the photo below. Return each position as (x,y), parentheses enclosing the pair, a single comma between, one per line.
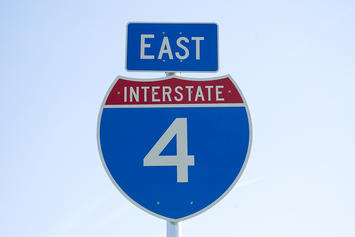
(181,160)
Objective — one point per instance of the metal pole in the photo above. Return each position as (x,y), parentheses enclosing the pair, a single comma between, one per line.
(173,73)
(173,229)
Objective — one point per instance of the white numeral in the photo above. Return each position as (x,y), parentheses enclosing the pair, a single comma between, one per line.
(181,160)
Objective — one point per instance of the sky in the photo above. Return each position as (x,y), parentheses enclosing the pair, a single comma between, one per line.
(293,60)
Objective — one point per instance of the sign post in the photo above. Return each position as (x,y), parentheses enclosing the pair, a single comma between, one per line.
(173,229)
(174,146)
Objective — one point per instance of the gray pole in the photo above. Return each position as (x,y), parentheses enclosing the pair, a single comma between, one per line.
(173,73)
(173,229)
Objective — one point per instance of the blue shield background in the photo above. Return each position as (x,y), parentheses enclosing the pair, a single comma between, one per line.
(218,137)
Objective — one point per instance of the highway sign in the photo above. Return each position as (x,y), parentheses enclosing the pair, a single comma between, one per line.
(174,146)
(172,47)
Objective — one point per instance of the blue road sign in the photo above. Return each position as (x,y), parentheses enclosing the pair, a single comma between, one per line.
(174,146)
(172,47)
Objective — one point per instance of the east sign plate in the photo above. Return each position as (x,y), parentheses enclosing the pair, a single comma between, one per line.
(174,146)
(172,47)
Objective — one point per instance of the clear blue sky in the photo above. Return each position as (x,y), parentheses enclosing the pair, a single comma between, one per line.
(293,60)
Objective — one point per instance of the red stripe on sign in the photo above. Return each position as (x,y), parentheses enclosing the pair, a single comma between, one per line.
(174,91)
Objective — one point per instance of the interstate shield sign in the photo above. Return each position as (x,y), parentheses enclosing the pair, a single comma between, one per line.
(174,146)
